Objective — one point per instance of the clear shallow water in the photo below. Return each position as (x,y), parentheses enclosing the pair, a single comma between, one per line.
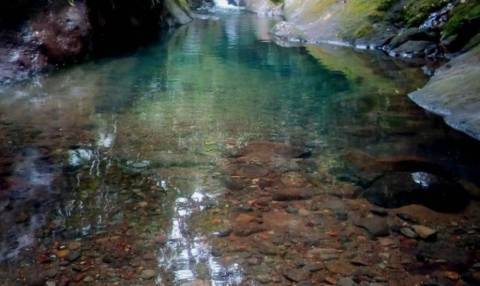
(132,145)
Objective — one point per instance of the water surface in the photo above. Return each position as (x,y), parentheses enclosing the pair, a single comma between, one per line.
(124,155)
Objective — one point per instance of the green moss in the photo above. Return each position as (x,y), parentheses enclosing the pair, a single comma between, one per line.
(385,5)
(415,12)
(363,31)
(462,15)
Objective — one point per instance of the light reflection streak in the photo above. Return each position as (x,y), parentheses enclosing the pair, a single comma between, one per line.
(185,253)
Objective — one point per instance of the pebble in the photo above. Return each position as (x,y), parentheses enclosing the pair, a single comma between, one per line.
(263,278)
(375,226)
(147,274)
(296,275)
(346,281)
(330,280)
(74,255)
(408,232)
(424,232)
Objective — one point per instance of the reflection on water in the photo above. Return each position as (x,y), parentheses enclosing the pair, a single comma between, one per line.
(129,147)
(189,257)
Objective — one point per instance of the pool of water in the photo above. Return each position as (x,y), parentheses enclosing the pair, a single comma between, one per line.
(116,163)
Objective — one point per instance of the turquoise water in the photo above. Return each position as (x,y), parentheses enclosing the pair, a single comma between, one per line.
(133,145)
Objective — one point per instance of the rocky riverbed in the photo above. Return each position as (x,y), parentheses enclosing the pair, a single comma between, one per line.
(279,222)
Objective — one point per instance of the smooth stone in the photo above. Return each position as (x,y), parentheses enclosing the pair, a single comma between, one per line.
(453,93)
(424,232)
(324,253)
(375,226)
(74,255)
(408,232)
(346,281)
(147,274)
(296,275)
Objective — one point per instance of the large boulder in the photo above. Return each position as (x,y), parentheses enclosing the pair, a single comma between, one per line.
(396,189)
(453,93)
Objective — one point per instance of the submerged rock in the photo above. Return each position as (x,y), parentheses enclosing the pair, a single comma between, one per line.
(397,189)
(375,226)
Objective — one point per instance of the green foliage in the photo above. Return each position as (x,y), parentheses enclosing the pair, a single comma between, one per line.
(276,1)
(415,12)
(364,31)
(463,14)
(385,5)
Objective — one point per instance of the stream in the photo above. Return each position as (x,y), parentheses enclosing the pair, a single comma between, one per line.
(216,157)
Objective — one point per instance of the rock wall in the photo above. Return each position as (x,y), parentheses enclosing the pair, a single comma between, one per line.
(407,28)
(38,35)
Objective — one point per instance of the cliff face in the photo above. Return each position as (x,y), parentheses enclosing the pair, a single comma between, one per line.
(407,28)
(37,35)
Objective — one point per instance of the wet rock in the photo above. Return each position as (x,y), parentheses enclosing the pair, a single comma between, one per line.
(341,215)
(375,226)
(324,253)
(453,93)
(408,232)
(330,280)
(292,210)
(263,278)
(74,255)
(397,189)
(415,49)
(291,194)
(359,262)
(216,252)
(74,245)
(340,267)
(296,275)
(313,267)
(442,250)
(346,281)
(385,241)
(248,229)
(293,179)
(424,232)
(62,253)
(147,274)
(224,232)
(411,34)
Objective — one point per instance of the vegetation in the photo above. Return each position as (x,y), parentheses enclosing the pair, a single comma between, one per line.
(415,12)
(467,13)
